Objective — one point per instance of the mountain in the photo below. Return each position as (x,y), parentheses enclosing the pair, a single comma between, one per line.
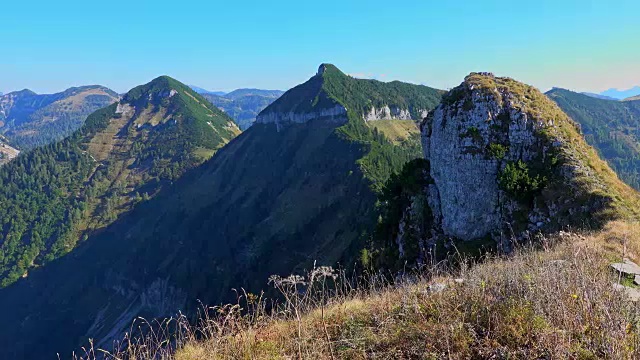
(241,93)
(278,197)
(612,127)
(622,94)
(202,91)
(243,105)
(633,98)
(62,193)
(30,120)
(501,162)
(598,96)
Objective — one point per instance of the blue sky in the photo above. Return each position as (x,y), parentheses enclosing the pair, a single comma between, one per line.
(584,45)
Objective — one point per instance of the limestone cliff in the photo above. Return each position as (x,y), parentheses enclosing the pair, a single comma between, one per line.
(504,162)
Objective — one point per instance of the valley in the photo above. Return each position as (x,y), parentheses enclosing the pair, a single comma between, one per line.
(243,105)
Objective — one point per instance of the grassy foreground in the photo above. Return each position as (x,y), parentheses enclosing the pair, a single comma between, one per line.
(555,301)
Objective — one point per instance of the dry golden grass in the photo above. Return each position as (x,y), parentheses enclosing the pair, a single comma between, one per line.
(395,130)
(74,102)
(554,301)
(104,142)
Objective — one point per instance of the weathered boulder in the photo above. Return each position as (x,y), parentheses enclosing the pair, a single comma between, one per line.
(627,268)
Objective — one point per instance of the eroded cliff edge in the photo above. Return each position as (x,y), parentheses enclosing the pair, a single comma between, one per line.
(501,163)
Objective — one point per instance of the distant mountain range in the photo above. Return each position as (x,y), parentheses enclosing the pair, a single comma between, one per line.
(200,90)
(621,94)
(598,96)
(123,154)
(243,105)
(29,120)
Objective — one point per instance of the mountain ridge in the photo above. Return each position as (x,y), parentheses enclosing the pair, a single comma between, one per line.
(60,194)
(336,96)
(304,192)
(598,96)
(621,94)
(30,120)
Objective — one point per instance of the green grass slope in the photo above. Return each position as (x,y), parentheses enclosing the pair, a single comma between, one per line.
(59,194)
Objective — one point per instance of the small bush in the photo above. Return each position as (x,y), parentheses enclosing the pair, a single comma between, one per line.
(497,151)
(518,183)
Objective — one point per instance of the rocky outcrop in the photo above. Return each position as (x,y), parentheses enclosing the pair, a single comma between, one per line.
(336,114)
(164,94)
(387,113)
(504,163)
(458,141)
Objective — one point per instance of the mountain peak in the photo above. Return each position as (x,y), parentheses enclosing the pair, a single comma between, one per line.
(162,87)
(23,92)
(332,96)
(328,68)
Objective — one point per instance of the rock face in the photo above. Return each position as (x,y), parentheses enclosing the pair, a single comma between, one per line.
(336,114)
(457,140)
(503,162)
(388,113)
